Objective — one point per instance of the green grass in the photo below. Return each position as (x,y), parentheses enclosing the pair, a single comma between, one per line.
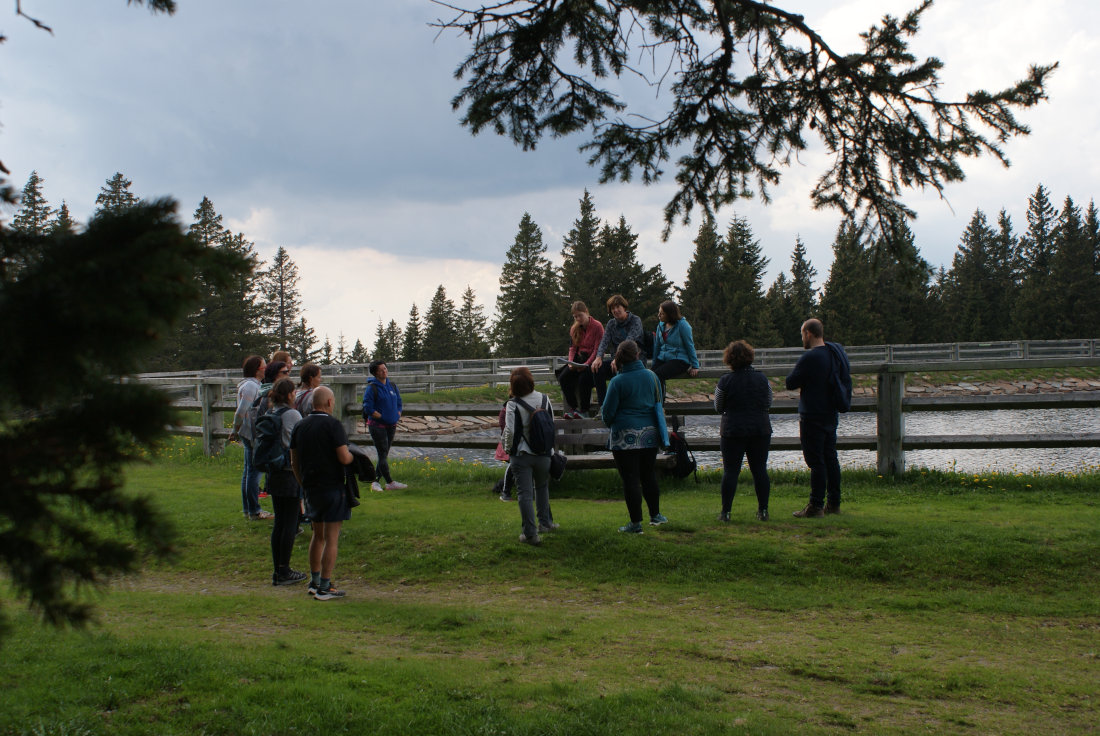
(936,603)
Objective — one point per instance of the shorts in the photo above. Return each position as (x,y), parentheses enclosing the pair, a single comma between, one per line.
(327,504)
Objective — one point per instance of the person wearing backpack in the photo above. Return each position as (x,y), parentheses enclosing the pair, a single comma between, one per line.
(525,438)
(247,392)
(815,375)
(382,410)
(282,487)
(629,410)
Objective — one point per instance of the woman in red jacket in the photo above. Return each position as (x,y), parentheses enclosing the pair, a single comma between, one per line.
(576,378)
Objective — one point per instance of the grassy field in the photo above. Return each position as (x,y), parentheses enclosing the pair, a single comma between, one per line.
(935,604)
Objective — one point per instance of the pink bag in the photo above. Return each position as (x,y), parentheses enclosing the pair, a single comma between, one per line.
(500,454)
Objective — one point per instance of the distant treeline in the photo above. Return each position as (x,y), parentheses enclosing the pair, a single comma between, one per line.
(1043,283)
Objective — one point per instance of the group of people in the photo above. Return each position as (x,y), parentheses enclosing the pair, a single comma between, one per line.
(312,486)
(631,404)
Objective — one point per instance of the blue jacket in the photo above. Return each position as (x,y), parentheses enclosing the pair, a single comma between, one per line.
(679,345)
(383,398)
(631,396)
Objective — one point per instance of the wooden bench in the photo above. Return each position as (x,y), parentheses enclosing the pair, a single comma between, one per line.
(584,442)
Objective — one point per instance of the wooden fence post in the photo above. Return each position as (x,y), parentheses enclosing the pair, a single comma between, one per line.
(211,419)
(345,394)
(891,423)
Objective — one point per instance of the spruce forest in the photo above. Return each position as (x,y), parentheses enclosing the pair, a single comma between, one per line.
(1038,279)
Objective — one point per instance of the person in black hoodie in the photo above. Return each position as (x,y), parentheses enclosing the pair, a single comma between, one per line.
(743,397)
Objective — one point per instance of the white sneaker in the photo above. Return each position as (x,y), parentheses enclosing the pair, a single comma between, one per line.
(376,486)
(395,486)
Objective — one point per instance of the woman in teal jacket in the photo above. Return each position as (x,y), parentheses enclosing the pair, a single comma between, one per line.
(673,345)
(629,410)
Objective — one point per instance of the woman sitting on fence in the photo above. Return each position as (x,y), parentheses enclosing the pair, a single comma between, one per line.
(576,377)
(630,410)
(674,345)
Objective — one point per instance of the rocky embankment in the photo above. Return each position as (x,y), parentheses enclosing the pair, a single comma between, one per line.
(913,387)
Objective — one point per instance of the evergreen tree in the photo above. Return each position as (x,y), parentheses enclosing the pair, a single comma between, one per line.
(793,301)
(701,298)
(899,298)
(63,223)
(359,352)
(745,310)
(1074,283)
(440,335)
(1092,233)
(115,196)
(1036,304)
(326,352)
(645,288)
(970,290)
(580,268)
(35,213)
(341,349)
(281,300)
(207,227)
(472,328)
(31,222)
(528,318)
(303,342)
(803,292)
(387,342)
(412,341)
(1003,255)
(846,298)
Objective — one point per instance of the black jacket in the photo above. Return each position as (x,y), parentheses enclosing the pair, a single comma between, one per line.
(743,398)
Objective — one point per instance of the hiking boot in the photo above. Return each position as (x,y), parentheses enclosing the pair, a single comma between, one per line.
(376,487)
(328,594)
(534,541)
(762,515)
(831,509)
(810,512)
(288,578)
(657,520)
(543,528)
(395,486)
(634,527)
(724,516)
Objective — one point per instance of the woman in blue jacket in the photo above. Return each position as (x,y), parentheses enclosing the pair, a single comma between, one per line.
(673,345)
(629,409)
(382,410)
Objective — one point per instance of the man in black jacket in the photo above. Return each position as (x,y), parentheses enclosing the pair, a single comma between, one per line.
(817,421)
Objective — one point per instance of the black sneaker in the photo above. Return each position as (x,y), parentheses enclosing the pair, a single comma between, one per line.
(328,593)
(724,516)
(762,515)
(290,577)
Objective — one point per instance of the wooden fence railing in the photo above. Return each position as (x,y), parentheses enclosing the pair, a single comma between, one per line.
(212,393)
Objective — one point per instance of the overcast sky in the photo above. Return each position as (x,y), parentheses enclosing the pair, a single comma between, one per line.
(326,128)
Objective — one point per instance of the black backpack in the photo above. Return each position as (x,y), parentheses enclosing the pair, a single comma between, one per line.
(268,453)
(685,458)
(649,340)
(840,379)
(539,431)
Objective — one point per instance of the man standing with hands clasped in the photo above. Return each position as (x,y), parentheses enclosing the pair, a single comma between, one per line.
(318,454)
(820,375)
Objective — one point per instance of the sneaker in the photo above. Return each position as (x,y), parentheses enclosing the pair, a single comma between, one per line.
(262,516)
(263,494)
(578,415)
(831,509)
(657,520)
(568,414)
(810,512)
(312,587)
(543,528)
(395,486)
(376,487)
(634,527)
(534,541)
(507,497)
(762,515)
(724,516)
(328,594)
(289,578)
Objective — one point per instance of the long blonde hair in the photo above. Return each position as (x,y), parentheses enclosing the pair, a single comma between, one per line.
(577,330)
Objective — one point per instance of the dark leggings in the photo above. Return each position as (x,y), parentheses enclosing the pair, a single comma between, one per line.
(382,437)
(733,450)
(284,530)
(666,369)
(576,388)
(638,469)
